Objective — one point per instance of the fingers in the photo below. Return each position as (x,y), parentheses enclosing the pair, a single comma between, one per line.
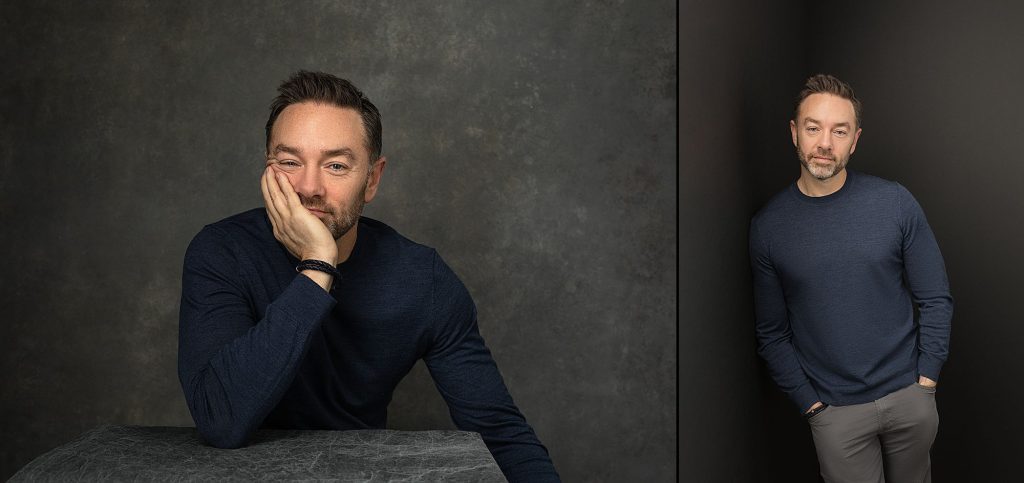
(268,198)
(289,193)
(281,202)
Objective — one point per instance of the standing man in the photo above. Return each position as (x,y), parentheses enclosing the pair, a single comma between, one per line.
(840,259)
(305,315)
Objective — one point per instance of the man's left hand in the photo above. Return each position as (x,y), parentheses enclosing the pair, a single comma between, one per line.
(924,381)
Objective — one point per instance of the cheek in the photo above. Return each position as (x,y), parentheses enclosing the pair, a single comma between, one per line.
(339,194)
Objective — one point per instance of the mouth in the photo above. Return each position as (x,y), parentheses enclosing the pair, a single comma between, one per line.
(316,211)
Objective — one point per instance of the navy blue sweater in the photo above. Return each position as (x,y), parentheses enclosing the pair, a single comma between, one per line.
(263,346)
(835,280)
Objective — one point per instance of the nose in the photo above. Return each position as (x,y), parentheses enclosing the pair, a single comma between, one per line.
(825,141)
(307,182)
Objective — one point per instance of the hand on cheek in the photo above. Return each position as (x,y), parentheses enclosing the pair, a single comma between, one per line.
(301,232)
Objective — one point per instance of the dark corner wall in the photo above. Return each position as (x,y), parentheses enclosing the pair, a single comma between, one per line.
(738,64)
(531,143)
(940,82)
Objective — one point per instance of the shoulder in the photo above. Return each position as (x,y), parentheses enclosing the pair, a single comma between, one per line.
(247,229)
(778,208)
(383,250)
(889,193)
(252,224)
(393,244)
(874,184)
(411,262)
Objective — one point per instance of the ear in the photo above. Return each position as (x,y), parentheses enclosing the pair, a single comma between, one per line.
(792,131)
(856,137)
(373,179)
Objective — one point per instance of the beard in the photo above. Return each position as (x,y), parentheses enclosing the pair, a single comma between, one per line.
(819,171)
(339,219)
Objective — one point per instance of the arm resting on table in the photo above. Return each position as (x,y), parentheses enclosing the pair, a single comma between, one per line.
(235,369)
(468,379)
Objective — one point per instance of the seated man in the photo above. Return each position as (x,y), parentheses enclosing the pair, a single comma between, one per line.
(305,315)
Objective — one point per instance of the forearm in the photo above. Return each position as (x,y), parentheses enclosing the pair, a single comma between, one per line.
(774,333)
(926,278)
(786,371)
(486,407)
(934,327)
(231,387)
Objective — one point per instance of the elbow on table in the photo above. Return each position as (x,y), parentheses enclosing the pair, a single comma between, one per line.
(223,436)
(218,423)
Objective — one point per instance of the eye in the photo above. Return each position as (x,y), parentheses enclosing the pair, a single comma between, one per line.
(840,132)
(288,163)
(812,129)
(336,167)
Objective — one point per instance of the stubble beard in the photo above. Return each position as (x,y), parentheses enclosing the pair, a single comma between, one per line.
(338,221)
(818,171)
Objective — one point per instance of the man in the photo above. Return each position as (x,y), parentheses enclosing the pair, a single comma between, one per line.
(839,258)
(304,315)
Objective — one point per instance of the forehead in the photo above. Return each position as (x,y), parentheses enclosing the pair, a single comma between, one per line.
(315,126)
(827,108)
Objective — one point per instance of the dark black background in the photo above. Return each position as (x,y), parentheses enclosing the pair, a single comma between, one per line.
(941,86)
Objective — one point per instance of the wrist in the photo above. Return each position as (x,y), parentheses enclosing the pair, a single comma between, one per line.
(324,280)
(323,273)
(329,258)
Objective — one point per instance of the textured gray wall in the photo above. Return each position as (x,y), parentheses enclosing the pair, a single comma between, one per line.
(531,143)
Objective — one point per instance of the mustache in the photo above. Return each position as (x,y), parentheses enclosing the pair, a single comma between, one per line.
(820,153)
(314,203)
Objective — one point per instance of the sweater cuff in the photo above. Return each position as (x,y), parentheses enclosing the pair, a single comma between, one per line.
(929,366)
(805,396)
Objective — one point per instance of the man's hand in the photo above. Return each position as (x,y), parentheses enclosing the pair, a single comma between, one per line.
(300,231)
(814,406)
(924,381)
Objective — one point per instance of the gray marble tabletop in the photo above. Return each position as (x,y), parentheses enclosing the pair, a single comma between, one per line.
(137,453)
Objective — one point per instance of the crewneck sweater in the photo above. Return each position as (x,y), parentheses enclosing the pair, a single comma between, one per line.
(836,279)
(261,346)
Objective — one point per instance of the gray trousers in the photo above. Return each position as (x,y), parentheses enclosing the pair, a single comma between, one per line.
(884,440)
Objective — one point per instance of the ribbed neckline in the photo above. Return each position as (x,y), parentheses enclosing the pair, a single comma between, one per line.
(851,177)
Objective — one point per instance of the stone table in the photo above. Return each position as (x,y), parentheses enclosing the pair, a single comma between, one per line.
(137,453)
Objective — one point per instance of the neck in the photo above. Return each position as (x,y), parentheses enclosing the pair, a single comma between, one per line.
(816,188)
(346,243)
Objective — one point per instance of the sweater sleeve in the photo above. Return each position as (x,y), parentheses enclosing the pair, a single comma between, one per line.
(926,278)
(774,335)
(234,368)
(467,377)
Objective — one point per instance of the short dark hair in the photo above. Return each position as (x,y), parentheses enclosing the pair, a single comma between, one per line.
(305,86)
(827,84)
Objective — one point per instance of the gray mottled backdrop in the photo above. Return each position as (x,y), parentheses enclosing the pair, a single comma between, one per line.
(531,143)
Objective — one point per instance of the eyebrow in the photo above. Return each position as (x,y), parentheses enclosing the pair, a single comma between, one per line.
(327,153)
(281,148)
(330,153)
(811,119)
